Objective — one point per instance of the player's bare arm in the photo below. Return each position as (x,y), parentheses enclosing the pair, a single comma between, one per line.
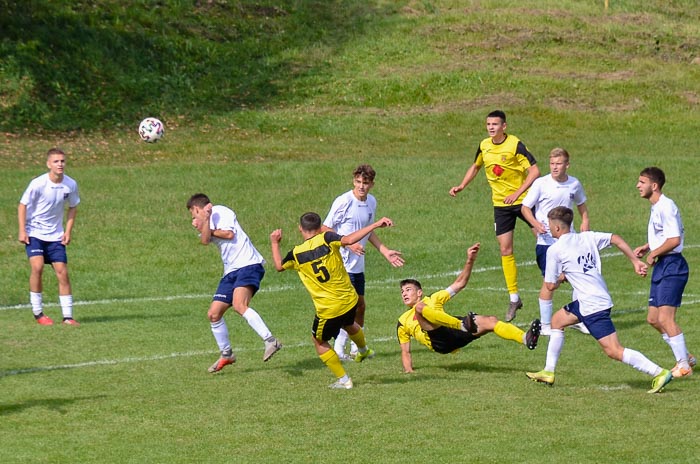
(393,256)
(70,222)
(468,177)
(585,222)
(463,277)
(358,234)
(533,172)
(275,239)
(639,266)
(530,217)
(666,247)
(641,250)
(406,358)
(22,220)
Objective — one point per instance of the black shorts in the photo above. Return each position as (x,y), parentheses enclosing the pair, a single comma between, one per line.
(504,218)
(325,329)
(445,339)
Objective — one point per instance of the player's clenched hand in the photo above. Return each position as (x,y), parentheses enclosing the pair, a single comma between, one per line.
(276,235)
(473,250)
(385,222)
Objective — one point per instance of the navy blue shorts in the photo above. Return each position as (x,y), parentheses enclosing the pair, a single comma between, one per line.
(358,281)
(541,256)
(248,276)
(599,324)
(53,252)
(504,218)
(668,280)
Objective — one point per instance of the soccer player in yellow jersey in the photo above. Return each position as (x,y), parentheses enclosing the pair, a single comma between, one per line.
(510,170)
(429,324)
(320,266)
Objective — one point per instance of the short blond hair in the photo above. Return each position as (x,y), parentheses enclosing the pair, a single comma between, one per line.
(559,153)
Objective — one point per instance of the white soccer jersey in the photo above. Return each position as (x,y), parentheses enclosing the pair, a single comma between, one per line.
(238,252)
(546,194)
(347,215)
(46,201)
(664,223)
(578,257)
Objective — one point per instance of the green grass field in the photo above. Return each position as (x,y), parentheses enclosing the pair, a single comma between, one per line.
(407,93)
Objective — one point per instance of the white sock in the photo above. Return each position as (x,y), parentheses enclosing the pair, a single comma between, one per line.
(255,321)
(344,379)
(514,297)
(37,304)
(545,311)
(677,344)
(640,362)
(340,341)
(66,306)
(220,331)
(666,338)
(556,343)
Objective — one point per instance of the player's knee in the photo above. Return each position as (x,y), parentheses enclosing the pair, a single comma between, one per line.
(653,320)
(486,323)
(214,315)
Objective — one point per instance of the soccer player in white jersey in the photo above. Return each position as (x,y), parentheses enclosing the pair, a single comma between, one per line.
(243,272)
(670,275)
(576,257)
(557,188)
(41,230)
(349,212)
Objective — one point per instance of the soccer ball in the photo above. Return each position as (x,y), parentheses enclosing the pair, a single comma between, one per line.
(151,130)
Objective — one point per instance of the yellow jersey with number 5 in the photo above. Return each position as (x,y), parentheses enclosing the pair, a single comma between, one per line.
(321,270)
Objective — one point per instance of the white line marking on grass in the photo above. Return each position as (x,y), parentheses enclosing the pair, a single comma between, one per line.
(157,357)
(613,388)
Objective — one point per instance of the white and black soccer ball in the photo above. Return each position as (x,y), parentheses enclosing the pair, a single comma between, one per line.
(151,130)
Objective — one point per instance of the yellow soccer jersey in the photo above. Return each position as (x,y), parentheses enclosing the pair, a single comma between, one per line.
(408,325)
(321,270)
(505,166)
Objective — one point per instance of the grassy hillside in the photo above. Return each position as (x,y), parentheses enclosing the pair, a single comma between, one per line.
(87,65)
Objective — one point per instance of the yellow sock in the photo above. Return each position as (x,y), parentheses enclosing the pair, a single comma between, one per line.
(508,331)
(510,272)
(331,360)
(438,317)
(359,339)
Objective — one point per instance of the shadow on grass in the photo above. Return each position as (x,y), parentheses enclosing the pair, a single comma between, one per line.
(300,367)
(479,367)
(129,317)
(54,404)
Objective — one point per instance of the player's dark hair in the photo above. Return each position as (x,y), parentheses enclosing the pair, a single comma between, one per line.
(497,114)
(562,214)
(54,151)
(654,174)
(199,200)
(413,282)
(310,222)
(366,171)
